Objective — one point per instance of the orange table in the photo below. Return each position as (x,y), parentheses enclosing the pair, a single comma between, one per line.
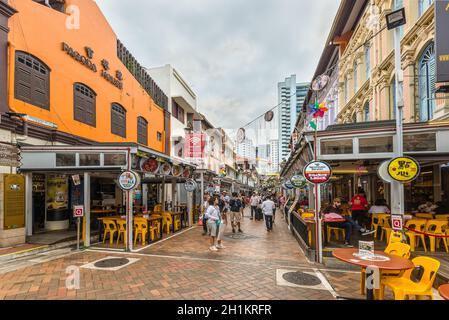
(444,291)
(394,262)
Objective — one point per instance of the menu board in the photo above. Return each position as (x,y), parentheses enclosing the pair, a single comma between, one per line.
(14,201)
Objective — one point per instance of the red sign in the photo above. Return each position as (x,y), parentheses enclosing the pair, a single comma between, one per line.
(317,172)
(396,222)
(195,144)
(78,211)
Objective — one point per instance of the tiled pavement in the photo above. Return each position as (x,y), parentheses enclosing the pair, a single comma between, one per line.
(181,267)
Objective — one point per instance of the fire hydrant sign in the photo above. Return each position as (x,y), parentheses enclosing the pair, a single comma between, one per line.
(403,169)
(317,172)
(78,211)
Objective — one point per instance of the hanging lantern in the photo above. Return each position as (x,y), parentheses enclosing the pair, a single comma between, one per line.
(269,116)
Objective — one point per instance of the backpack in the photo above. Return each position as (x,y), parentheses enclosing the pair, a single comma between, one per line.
(235,205)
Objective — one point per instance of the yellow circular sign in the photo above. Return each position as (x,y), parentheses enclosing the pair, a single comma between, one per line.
(403,169)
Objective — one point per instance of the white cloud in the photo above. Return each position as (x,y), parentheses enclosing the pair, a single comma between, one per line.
(232,52)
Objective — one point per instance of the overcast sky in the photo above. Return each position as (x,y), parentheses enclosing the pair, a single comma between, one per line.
(231,52)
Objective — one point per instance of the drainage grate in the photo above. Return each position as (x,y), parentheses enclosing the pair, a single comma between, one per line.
(301,279)
(111,263)
(239,236)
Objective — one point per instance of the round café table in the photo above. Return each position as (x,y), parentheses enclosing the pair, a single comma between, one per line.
(444,291)
(394,263)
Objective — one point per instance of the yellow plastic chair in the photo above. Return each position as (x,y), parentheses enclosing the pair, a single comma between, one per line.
(166,222)
(110,228)
(439,228)
(156,225)
(377,221)
(308,215)
(424,215)
(442,217)
(158,208)
(394,248)
(403,287)
(419,225)
(177,223)
(121,225)
(140,230)
(336,232)
(385,227)
(395,236)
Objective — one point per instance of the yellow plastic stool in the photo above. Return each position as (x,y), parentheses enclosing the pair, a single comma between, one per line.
(335,231)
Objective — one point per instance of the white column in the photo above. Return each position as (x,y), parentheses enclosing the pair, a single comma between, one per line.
(173,193)
(87,207)
(29,203)
(190,207)
(145,197)
(163,194)
(129,219)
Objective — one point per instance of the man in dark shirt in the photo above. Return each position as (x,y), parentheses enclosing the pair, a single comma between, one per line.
(347,225)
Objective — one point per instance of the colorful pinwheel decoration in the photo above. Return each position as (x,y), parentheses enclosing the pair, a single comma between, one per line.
(318,110)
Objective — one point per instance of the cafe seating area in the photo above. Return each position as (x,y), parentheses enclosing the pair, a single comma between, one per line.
(148,227)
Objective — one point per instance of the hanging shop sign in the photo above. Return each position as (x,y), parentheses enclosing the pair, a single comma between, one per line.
(150,165)
(13,201)
(190,185)
(320,82)
(166,169)
(269,116)
(318,172)
(176,171)
(441,43)
(288,185)
(298,181)
(128,180)
(403,169)
(241,135)
(382,172)
(195,145)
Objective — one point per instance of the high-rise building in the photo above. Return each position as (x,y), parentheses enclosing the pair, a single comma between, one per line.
(291,96)
(246,150)
(274,156)
(263,164)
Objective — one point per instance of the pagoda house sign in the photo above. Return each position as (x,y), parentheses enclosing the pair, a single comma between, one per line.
(86,60)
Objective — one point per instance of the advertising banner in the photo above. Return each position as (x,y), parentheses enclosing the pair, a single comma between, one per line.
(195,144)
(441,40)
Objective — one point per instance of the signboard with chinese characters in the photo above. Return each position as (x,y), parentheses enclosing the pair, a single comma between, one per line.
(14,201)
(403,169)
(441,42)
(317,172)
(195,144)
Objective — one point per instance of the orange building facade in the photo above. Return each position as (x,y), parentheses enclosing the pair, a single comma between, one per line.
(65,71)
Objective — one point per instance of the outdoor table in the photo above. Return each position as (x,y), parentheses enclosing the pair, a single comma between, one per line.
(157,218)
(394,263)
(444,291)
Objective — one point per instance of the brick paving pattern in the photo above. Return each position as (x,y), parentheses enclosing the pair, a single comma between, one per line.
(180,268)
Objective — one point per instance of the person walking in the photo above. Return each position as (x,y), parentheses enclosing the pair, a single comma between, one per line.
(242,209)
(254,201)
(204,207)
(213,221)
(267,209)
(221,229)
(235,205)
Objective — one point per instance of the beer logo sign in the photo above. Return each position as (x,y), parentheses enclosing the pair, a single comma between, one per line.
(403,169)
(317,172)
(298,181)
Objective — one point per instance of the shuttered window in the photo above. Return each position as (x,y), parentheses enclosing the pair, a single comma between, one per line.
(118,120)
(84,104)
(32,81)
(142,131)
(427,74)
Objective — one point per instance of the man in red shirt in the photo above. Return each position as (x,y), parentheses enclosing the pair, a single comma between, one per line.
(359,206)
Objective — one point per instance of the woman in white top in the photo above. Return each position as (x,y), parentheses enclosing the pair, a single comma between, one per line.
(213,221)
(204,207)
(380,206)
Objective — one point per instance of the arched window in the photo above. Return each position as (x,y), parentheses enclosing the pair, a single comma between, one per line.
(423,5)
(367,61)
(32,80)
(84,104)
(427,76)
(118,120)
(142,131)
(366,117)
(356,82)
